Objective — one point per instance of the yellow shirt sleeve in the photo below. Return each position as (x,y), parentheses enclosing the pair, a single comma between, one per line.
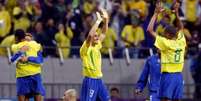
(160,42)
(14,48)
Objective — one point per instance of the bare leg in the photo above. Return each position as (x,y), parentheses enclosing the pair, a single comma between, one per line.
(26,98)
(21,98)
(38,97)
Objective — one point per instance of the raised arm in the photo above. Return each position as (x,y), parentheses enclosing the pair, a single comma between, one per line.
(94,28)
(158,10)
(178,21)
(105,26)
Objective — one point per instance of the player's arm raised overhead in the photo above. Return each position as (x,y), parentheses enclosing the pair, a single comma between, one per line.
(178,21)
(93,29)
(158,10)
(105,26)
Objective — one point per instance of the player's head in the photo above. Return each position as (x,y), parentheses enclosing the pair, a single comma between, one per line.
(170,32)
(28,37)
(95,38)
(70,95)
(19,35)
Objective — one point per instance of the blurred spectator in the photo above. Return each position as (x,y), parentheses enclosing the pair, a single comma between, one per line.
(38,33)
(34,9)
(139,5)
(50,31)
(132,35)
(88,6)
(114,93)
(117,17)
(109,41)
(70,95)
(5,21)
(63,38)
(190,9)
(107,4)
(61,10)
(195,68)
(6,42)
(49,11)
(10,4)
(167,3)
(193,44)
(41,37)
(20,20)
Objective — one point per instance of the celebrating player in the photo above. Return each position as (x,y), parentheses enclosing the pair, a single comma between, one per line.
(28,59)
(172,47)
(93,87)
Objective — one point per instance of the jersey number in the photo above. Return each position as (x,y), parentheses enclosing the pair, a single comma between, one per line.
(177,55)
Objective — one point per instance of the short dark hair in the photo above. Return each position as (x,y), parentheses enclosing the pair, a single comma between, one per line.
(114,89)
(170,29)
(19,35)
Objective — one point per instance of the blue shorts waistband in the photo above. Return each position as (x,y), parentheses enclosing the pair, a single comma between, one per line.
(171,72)
(92,78)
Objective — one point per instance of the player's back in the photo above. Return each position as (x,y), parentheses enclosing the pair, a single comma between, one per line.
(172,53)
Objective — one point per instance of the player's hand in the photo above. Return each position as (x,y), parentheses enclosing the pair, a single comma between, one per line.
(159,8)
(138,91)
(104,14)
(24,48)
(24,59)
(99,18)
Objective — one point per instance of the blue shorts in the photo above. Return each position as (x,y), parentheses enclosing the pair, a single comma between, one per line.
(171,86)
(30,85)
(93,90)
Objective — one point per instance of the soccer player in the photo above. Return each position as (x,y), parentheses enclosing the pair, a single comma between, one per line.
(28,59)
(152,72)
(93,87)
(172,47)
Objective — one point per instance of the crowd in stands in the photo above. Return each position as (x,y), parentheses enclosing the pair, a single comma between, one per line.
(65,23)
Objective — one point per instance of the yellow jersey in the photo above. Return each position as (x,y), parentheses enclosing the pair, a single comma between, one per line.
(91,60)
(132,34)
(191,10)
(172,53)
(26,68)
(109,41)
(5,23)
(64,41)
(7,42)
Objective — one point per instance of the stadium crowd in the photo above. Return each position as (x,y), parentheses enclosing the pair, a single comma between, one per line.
(65,23)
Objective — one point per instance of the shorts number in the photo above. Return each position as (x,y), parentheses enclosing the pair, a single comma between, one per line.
(177,55)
